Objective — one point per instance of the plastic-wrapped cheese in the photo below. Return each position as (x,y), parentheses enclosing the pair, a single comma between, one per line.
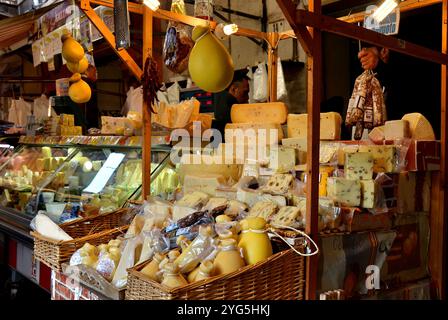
(49,229)
(419,126)
(274,112)
(203,182)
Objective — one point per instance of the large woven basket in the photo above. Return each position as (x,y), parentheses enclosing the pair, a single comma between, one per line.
(94,230)
(281,277)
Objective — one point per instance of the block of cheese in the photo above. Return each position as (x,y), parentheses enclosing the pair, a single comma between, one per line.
(274,112)
(396,129)
(264,209)
(343,191)
(358,165)
(377,134)
(180,212)
(330,126)
(243,153)
(300,144)
(279,200)
(385,157)
(215,203)
(206,183)
(279,183)
(204,164)
(196,200)
(328,153)
(368,194)
(251,133)
(287,216)
(343,150)
(324,173)
(248,196)
(419,127)
(226,192)
(282,159)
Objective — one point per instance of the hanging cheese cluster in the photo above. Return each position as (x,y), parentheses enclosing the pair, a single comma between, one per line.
(77,63)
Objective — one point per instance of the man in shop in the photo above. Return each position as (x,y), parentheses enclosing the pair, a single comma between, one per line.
(236,93)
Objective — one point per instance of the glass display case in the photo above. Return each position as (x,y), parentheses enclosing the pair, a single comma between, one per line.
(69,181)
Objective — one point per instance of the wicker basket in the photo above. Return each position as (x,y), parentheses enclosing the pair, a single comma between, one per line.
(281,277)
(94,230)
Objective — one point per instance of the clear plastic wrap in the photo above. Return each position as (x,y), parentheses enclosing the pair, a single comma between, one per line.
(178,42)
(200,248)
(154,241)
(380,203)
(129,257)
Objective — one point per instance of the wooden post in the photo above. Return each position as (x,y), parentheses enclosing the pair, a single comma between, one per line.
(314,97)
(273,38)
(438,269)
(147,52)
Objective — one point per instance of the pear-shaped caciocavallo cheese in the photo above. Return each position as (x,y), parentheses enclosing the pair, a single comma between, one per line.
(78,67)
(79,91)
(72,51)
(210,65)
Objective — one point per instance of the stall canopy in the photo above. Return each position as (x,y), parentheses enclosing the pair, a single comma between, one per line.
(19,31)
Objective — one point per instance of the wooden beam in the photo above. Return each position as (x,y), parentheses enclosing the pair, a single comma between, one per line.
(345,29)
(272,65)
(439,230)
(404,6)
(188,20)
(314,97)
(301,32)
(110,38)
(147,52)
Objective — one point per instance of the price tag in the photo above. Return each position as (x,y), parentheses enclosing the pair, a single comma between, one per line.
(389,26)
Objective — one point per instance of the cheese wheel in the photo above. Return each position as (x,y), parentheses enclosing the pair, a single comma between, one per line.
(419,126)
(274,112)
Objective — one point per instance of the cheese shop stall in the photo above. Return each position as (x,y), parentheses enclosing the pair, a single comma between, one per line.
(283,206)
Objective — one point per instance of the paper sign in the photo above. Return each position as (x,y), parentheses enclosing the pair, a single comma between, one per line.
(389,26)
(105,173)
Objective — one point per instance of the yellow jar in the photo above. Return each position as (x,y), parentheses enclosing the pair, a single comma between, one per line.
(254,240)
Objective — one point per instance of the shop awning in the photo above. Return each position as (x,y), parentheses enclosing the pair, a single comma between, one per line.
(18,31)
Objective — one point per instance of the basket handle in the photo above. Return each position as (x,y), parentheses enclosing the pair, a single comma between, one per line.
(308,254)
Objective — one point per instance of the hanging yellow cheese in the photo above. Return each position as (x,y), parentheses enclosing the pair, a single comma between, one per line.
(419,126)
(72,51)
(273,112)
(210,65)
(79,91)
(78,67)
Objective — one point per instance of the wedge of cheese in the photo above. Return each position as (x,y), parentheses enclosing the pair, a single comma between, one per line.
(46,227)
(274,112)
(396,129)
(330,126)
(419,126)
(368,194)
(250,133)
(377,134)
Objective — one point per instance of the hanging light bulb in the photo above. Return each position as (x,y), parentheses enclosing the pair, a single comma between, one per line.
(152,4)
(230,29)
(384,10)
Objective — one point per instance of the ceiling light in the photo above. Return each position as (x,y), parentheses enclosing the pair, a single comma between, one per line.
(152,4)
(230,29)
(384,10)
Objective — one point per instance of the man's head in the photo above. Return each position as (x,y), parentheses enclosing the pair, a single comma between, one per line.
(240,87)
